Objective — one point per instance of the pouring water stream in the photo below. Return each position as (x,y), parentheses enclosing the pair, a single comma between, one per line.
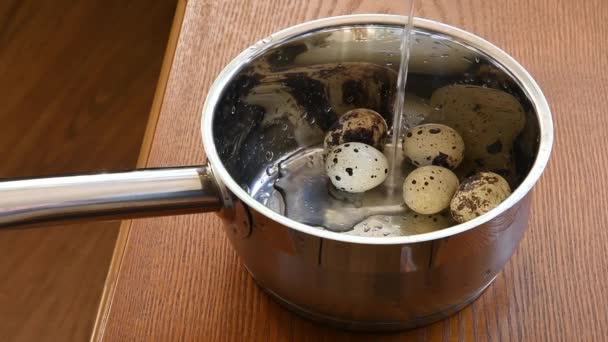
(394,178)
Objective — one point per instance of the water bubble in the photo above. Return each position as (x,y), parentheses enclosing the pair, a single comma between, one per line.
(313,120)
(245,187)
(389,64)
(445,55)
(328,109)
(425,61)
(484,85)
(477,60)
(350,99)
(284,127)
(468,60)
(272,170)
(269,155)
(389,55)
(417,119)
(417,41)
(386,233)
(438,107)
(267,40)
(233,110)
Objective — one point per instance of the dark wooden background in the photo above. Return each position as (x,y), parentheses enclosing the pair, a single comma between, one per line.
(77,79)
(179,279)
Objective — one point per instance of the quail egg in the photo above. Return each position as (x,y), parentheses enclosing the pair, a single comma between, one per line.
(356,167)
(429,189)
(433,144)
(477,195)
(358,125)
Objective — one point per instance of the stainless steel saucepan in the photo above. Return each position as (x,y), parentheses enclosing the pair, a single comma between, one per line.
(279,97)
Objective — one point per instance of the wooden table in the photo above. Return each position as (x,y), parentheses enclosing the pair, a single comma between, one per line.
(178,278)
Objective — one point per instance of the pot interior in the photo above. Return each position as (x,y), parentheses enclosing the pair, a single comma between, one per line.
(281,103)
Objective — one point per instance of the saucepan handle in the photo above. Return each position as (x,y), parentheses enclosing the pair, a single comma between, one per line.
(119,195)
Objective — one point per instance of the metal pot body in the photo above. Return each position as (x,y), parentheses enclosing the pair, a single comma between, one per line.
(375,287)
(372,284)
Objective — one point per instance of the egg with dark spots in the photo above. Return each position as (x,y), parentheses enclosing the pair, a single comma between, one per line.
(478,195)
(358,125)
(356,167)
(429,189)
(433,144)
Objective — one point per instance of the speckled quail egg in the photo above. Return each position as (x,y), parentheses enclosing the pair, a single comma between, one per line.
(477,195)
(429,189)
(433,144)
(358,125)
(356,167)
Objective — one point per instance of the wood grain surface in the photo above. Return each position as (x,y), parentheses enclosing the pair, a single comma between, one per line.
(180,280)
(109,289)
(77,81)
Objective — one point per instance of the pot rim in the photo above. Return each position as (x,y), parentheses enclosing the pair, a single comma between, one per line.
(527,83)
